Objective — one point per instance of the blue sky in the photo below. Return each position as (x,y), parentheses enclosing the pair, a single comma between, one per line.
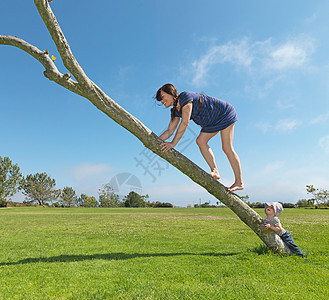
(267,58)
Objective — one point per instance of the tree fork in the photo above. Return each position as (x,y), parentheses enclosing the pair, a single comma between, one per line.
(84,87)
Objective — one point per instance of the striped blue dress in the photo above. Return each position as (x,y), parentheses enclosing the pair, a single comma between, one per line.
(210,113)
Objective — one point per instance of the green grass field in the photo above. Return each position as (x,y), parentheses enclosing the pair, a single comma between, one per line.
(81,253)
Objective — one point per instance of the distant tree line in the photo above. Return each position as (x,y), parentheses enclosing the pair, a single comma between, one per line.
(40,189)
(206,205)
(243,198)
(262,205)
(320,199)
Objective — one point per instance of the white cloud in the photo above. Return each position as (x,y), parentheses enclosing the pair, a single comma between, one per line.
(263,126)
(321,119)
(260,89)
(286,125)
(287,56)
(87,171)
(179,194)
(319,181)
(284,105)
(175,190)
(324,143)
(235,53)
(284,181)
(292,54)
(271,168)
(311,19)
(282,126)
(258,56)
(287,192)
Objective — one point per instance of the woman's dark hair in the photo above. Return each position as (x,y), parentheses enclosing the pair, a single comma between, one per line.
(171,90)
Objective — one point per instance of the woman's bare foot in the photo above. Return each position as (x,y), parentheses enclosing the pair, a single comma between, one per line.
(215,174)
(236,187)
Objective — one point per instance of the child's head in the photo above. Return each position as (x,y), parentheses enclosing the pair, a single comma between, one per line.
(273,209)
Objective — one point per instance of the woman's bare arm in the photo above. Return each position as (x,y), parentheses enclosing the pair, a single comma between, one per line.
(170,130)
(186,114)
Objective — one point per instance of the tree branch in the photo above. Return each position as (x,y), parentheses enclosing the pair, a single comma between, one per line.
(62,45)
(41,56)
(51,71)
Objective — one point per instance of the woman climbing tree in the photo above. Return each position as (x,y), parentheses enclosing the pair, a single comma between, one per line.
(213,115)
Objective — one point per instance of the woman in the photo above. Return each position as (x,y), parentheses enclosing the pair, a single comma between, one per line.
(213,115)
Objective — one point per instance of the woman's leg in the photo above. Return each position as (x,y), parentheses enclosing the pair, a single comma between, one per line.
(202,141)
(227,145)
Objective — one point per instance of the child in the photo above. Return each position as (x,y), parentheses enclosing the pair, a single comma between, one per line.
(273,211)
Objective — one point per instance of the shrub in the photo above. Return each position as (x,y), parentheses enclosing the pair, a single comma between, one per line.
(3,203)
(161,204)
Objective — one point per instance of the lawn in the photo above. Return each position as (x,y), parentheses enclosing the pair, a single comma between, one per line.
(180,253)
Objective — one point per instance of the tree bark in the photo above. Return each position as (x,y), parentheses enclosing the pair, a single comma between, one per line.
(84,87)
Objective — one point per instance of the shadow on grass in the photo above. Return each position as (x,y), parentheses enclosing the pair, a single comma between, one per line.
(261,249)
(105,256)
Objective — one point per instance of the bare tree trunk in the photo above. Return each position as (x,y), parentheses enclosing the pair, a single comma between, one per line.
(84,87)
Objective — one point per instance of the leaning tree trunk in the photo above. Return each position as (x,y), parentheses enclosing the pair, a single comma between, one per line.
(84,87)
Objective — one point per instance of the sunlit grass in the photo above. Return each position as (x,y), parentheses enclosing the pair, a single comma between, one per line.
(156,254)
